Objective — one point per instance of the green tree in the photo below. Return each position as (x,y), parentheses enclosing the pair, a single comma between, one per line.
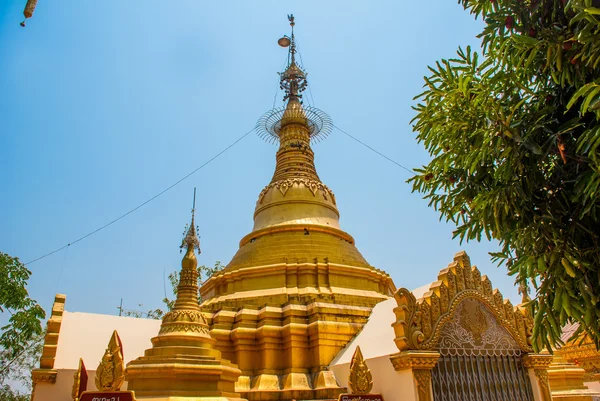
(21,339)
(515,144)
(203,271)
(18,371)
(8,394)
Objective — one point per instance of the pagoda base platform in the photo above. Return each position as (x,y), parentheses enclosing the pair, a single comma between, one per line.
(284,352)
(293,386)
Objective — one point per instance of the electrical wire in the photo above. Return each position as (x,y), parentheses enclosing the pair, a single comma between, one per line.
(143,203)
(186,177)
(62,267)
(374,150)
(308,83)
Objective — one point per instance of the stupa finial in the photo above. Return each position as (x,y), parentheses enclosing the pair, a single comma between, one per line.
(293,82)
(190,235)
(187,289)
(293,78)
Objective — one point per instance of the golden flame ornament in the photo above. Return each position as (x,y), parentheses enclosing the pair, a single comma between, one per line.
(360,380)
(110,373)
(79,381)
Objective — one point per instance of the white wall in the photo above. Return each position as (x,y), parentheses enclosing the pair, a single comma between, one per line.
(392,385)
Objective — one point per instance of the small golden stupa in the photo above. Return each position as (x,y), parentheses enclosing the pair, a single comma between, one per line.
(183,363)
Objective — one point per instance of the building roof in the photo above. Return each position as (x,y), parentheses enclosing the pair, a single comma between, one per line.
(568,331)
(86,335)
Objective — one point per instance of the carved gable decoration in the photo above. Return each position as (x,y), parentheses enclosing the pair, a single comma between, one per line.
(474,330)
(450,305)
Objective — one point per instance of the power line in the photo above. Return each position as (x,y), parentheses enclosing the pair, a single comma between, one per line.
(308,83)
(141,204)
(374,150)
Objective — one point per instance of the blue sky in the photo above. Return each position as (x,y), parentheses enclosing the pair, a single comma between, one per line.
(105,103)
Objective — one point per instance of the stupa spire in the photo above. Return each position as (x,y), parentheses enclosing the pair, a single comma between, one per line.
(187,289)
(183,362)
(293,78)
(295,196)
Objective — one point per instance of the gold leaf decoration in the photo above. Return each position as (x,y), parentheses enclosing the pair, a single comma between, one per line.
(419,322)
(360,380)
(79,381)
(110,373)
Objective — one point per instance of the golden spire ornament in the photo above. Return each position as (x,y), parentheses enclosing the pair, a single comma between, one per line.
(110,373)
(360,380)
(80,379)
(293,82)
(183,363)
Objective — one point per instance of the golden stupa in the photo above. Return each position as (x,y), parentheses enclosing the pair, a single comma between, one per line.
(183,363)
(290,307)
(298,290)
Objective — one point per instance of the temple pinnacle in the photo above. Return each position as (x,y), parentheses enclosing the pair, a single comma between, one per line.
(190,238)
(293,82)
(293,79)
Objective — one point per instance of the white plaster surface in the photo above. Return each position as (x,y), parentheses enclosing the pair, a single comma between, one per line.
(376,341)
(86,335)
(595,386)
(392,385)
(377,336)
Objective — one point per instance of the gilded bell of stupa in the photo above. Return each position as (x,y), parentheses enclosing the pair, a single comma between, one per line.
(297,290)
(183,363)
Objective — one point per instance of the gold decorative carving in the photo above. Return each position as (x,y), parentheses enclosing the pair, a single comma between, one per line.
(185,315)
(43,376)
(184,328)
(583,352)
(423,379)
(79,381)
(419,322)
(52,332)
(473,330)
(542,376)
(360,379)
(537,361)
(283,186)
(591,377)
(540,363)
(415,360)
(76,383)
(110,373)
(473,319)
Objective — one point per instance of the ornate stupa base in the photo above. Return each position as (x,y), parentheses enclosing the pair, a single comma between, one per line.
(291,386)
(566,381)
(283,352)
(183,367)
(183,377)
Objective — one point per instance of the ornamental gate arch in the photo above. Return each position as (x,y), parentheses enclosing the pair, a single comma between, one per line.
(479,359)
(479,339)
